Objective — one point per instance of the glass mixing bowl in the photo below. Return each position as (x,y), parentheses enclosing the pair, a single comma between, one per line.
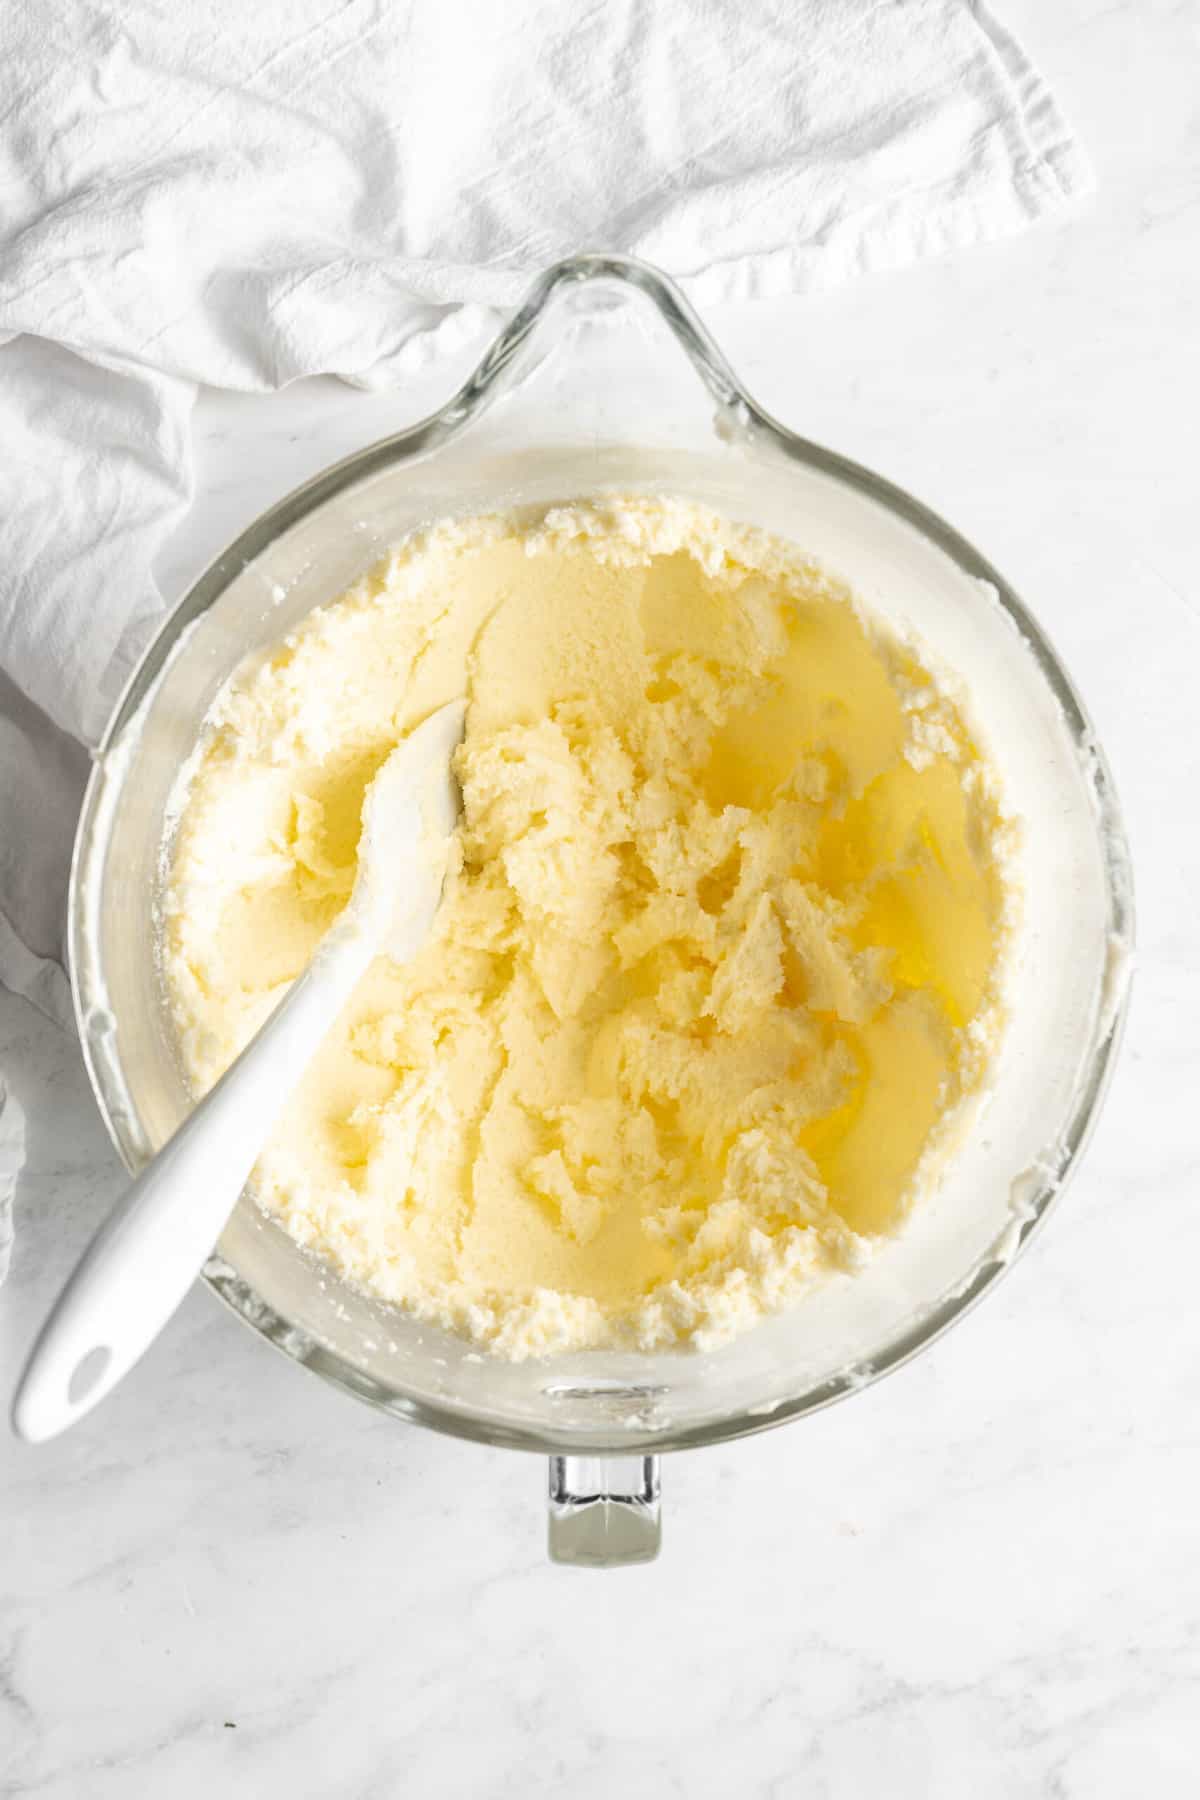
(605,379)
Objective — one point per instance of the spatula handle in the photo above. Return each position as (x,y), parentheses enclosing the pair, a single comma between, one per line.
(157,1239)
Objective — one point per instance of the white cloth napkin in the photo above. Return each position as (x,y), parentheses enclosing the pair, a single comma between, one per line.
(241,194)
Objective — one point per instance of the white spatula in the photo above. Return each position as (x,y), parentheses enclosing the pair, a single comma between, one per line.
(146,1255)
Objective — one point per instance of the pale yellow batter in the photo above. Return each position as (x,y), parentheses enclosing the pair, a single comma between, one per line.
(719,965)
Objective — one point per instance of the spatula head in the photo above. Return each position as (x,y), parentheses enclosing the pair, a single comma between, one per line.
(409,815)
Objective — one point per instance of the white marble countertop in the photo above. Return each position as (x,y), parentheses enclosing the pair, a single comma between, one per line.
(983,1576)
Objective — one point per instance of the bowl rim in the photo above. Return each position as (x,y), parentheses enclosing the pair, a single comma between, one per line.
(499,370)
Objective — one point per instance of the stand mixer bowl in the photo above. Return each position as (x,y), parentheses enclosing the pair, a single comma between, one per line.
(605,380)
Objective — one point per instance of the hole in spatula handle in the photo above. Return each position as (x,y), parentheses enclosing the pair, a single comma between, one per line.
(87,1373)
